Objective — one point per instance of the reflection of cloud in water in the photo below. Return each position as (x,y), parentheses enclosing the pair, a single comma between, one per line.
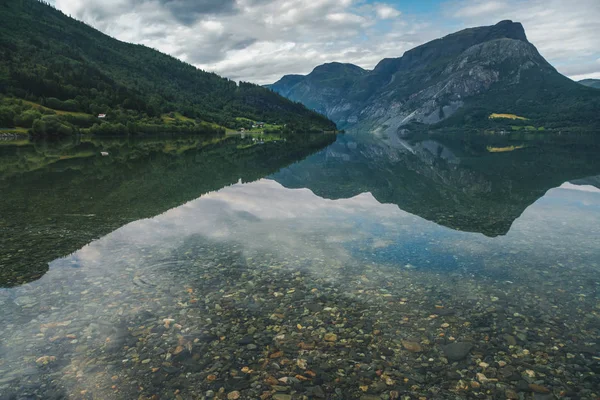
(583,188)
(289,222)
(267,216)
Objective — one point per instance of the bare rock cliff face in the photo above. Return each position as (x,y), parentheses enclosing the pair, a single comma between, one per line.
(427,85)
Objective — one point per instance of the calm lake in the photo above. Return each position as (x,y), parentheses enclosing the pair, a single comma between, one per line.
(318,267)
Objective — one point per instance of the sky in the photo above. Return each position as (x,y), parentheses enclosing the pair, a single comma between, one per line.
(262,40)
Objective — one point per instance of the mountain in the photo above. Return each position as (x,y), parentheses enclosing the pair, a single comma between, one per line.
(52,60)
(457,81)
(593,83)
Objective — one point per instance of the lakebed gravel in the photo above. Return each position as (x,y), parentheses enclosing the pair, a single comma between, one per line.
(209,321)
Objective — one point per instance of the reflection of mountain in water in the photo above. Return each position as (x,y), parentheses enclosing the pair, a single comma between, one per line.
(468,190)
(58,197)
(589,181)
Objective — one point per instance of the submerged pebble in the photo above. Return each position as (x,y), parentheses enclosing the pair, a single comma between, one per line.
(215,320)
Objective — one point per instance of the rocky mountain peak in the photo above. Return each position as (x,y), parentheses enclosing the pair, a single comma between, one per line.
(510,30)
(336,67)
(451,46)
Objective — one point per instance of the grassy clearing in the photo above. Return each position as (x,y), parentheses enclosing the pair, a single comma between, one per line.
(507,116)
(177,117)
(14,131)
(506,149)
(42,108)
(83,154)
(168,119)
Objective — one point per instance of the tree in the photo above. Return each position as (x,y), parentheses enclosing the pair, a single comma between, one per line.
(26,118)
(7,116)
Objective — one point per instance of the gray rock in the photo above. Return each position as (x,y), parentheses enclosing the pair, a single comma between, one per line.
(25,301)
(315,391)
(510,340)
(457,351)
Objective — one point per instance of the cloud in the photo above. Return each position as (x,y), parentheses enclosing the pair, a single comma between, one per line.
(481,8)
(189,11)
(253,40)
(385,11)
(261,40)
(581,68)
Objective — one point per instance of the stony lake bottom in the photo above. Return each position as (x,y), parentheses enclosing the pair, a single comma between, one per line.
(339,269)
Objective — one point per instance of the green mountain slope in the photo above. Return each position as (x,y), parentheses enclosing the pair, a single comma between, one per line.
(456,81)
(593,83)
(51,59)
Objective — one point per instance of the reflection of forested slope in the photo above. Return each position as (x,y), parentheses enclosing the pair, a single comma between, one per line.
(469,192)
(590,180)
(64,204)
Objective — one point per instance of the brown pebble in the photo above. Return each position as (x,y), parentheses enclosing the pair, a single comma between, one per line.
(306,346)
(413,347)
(45,360)
(330,337)
(233,395)
(277,354)
(538,388)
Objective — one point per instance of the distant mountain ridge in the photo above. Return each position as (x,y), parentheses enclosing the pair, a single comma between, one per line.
(458,80)
(593,83)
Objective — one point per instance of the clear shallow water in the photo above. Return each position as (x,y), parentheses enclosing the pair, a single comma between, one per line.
(305,284)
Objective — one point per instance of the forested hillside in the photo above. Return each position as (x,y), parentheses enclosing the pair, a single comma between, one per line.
(52,60)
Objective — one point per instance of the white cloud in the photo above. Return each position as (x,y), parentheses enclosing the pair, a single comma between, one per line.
(480,8)
(343,18)
(261,40)
(385,11)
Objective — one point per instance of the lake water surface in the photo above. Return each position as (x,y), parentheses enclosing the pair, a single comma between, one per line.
(282,268)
